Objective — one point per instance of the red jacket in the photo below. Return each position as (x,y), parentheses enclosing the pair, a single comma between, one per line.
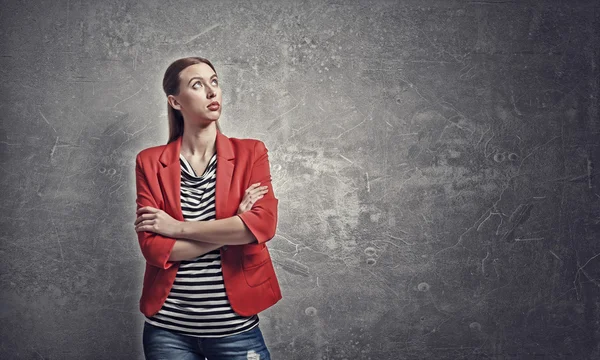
(248,273)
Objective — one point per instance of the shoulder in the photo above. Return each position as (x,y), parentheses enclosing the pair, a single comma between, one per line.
(150,154)
(248,145)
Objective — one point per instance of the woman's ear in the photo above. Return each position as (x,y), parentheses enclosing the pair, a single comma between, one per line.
(173,102)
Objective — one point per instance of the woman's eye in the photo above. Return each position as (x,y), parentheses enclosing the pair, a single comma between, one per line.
(196,83)
(215,81)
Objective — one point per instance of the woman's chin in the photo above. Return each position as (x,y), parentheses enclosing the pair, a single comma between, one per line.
(205,120)
(213,115)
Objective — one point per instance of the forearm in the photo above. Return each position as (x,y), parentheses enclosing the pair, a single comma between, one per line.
(185,249)
(228,231)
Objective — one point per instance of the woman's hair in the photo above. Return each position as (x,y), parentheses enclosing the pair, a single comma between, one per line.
(171,82)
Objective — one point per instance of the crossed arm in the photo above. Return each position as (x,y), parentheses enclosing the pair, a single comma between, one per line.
(197,240)
(200,237)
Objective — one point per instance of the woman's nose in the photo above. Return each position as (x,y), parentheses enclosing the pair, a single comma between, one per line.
(211,92)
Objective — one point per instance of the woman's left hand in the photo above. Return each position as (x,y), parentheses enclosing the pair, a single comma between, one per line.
(157,221)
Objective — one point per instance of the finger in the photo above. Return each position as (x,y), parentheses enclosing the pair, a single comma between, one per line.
(144,227)
(259,191)
(144,217)
(252,186)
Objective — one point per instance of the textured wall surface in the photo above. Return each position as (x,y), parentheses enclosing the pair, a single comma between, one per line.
(437,165)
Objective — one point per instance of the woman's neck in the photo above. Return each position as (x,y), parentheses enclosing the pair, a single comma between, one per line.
(199,141)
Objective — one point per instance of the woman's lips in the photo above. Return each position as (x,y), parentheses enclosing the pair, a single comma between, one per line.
(213,107)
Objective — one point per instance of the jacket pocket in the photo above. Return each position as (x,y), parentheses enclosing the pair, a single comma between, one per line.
(259,274)
(254,255)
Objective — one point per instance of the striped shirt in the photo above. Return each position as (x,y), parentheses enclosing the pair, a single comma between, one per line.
(197,304)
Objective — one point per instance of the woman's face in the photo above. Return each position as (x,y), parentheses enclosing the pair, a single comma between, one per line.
(198,88)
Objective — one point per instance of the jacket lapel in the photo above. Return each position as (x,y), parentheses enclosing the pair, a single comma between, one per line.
(169,176)
(225,165)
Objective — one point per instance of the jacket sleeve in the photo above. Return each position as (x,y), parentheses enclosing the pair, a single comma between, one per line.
(261,220)
(155,248)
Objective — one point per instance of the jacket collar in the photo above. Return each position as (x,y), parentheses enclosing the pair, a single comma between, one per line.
(170,177)
(171,151)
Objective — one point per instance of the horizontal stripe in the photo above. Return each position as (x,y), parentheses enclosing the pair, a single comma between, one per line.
(204,281)
(210,269)
(197,196)
(198,292)
(188,289)
(202,217)
(210,265)
(195,205)
(191,306)
(191,316)
(191,185)
(205,260)
(205,325)
(208,303)
(187,177)
(195,304)
(222,310)
(213,334)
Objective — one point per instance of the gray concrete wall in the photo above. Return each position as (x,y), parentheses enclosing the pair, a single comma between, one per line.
(436,164)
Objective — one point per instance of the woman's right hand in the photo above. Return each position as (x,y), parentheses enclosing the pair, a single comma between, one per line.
(251,195)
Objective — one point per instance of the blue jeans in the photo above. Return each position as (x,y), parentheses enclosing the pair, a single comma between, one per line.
(165,344)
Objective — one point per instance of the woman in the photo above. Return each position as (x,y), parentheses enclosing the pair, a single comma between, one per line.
(205,208)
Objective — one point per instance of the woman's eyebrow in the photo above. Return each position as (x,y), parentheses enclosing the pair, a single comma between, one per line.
(200,77)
